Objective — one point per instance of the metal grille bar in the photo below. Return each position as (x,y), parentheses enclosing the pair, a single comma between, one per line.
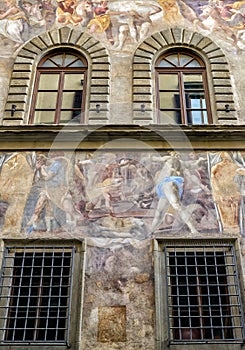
(203,294)
(35,294)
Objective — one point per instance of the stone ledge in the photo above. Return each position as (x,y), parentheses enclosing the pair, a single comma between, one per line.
(92,136)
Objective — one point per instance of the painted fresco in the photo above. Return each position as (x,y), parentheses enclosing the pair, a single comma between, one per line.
(121,194)
(227,179)
(121,26)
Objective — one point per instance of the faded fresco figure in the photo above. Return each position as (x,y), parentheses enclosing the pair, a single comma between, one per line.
(102,21)
(66,12)
(192,16)
(3,209)
(225,18)
(134,25)
(34,14)
(171,11)
(197,190)
(79,192)
(137,184)
(12,22)
(240,179)
(85,9)
(115,191)
(108,189)
(49,13)
(13,190)
(107,194)
(169,189)
(55,193)
(226,191)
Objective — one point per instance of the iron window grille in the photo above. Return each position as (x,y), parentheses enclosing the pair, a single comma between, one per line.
(36,285)
(203,294)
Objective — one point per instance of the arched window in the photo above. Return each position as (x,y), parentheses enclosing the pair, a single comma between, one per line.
(182,91)
(59,89)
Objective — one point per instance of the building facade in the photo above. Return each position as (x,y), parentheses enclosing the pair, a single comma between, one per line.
(122,168)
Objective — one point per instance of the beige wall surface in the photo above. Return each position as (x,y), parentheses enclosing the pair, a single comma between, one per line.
(120,199)
(121,27)
(118,202)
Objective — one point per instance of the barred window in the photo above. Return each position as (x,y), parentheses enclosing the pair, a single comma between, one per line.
(36,291)
(203,294)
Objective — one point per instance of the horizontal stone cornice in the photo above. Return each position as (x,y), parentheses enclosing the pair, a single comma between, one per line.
(44,137)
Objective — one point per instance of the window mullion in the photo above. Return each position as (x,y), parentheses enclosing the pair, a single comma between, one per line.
(35,94)
(182,98)
(59,97)
(206,95)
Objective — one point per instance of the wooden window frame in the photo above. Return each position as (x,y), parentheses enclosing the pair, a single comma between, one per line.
(180,71)
(62,71)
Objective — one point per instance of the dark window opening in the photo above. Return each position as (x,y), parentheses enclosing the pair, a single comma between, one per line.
(204,301)
(35,294)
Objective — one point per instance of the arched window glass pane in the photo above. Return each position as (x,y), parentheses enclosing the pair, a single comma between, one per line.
(68,60)
(178,60)
(193,63)
(173,59)
(59,89)
(184,59)
(49,63)
(164,63)
(58,60)
(76,63)
(63,60)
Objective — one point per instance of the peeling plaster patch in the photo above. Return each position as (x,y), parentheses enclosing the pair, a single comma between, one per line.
(112,324)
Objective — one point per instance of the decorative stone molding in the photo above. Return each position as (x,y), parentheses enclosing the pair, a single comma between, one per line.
(92,137)
(23,73)
(218,73)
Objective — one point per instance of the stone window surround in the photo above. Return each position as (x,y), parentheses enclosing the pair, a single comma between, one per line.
(23,74)
(162,342)
(50,69)
(219,78)
(144,58)
(180,71)
(77,290)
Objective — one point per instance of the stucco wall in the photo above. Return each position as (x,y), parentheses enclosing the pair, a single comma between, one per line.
(126,26)
(109,198)
(118,202)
